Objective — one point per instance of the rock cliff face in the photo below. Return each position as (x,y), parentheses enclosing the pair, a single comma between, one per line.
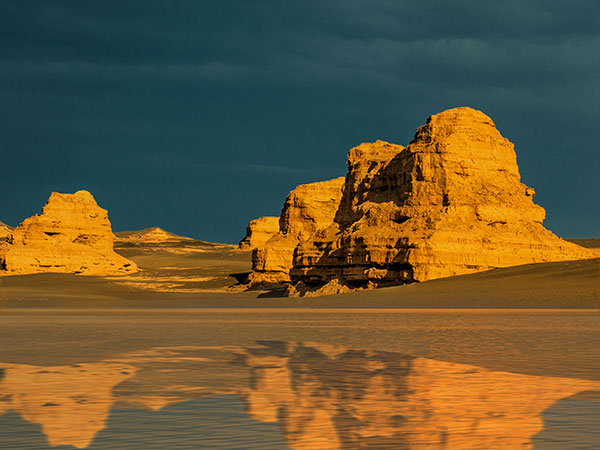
(72,235)
(307,209)
(259,231)
(5,231)
(450,203)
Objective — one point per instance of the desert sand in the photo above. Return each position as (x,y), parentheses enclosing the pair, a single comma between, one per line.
(182,272)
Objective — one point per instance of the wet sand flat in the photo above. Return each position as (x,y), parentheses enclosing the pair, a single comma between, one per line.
(281,379)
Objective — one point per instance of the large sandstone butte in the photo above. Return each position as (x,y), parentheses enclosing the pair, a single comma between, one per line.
(72,235)
(449,203)
(258,232)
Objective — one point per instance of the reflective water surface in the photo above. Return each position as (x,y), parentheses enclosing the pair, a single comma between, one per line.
(300,379)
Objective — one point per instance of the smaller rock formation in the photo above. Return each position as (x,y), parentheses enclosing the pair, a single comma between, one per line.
(72,235)
(5,231)
(307,208)
(259,231)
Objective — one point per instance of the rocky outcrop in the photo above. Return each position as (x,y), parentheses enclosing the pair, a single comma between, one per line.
(72,235)
(450,203)
(5,231)
(307,209)
(259,231)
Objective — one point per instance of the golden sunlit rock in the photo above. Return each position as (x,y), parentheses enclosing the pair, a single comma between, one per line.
(307,209)
(72,235)
(5,231)
(259,231)
(450,203)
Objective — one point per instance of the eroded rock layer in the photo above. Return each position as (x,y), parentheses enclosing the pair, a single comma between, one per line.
(259,231)
(307,209)
(5,231)
(72,235)
(450,203)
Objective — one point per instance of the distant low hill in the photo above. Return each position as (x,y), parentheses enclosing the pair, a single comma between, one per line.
(588,243)
(152,234)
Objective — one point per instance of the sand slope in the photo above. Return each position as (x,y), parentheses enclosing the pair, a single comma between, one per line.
(182,272)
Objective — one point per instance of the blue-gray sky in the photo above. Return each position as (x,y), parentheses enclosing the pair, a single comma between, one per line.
(198,116)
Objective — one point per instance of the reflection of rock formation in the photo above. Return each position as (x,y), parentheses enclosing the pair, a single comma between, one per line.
(72,235)
(323,397)
(332,398)
(259,231)
(70,403)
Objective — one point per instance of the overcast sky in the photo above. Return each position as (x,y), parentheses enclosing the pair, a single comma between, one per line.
(199,116)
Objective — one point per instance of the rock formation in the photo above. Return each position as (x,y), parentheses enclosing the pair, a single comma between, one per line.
(450,203)
(322,396)
(259,231)
(5,231)
(72,235)
(308,208)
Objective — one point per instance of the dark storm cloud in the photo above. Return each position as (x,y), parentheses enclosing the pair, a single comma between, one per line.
(225,107)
